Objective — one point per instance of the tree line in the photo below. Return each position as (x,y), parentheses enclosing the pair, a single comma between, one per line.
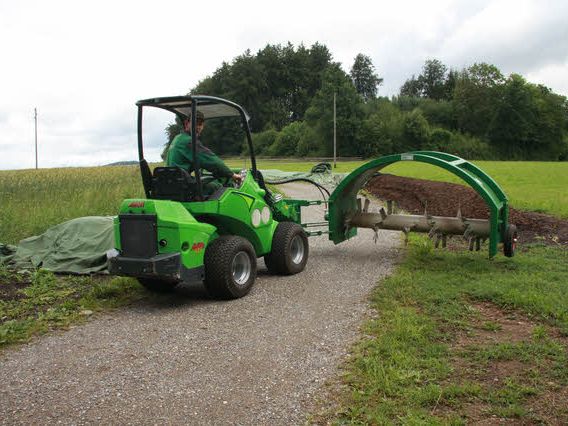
(476,112)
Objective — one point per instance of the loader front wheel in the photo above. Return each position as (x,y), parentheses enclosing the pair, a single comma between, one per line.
(290,250)
(230,267)
(157,286)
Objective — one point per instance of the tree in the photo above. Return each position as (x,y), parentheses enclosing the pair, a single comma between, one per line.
(349,113)
(450,85)
(416,131)
(286,142)
(530,121)
(434,79)
(364,77)
(412,88)
(381,132)
(275,86)
(476,96)
(432,83)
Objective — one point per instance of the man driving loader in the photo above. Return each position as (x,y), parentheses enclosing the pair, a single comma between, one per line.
(180,154)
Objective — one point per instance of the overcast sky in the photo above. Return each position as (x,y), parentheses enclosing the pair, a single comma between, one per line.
(85,64)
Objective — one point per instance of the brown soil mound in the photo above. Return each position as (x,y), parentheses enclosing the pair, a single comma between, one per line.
(444,199)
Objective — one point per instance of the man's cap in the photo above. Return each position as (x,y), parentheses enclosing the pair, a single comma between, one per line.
(199,116)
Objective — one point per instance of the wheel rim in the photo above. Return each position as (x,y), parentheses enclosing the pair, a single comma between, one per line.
(297,249)
(241,268)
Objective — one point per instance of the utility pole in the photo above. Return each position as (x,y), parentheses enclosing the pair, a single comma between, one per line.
(35,121)
(334,134)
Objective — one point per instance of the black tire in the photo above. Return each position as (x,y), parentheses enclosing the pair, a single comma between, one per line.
(230,267)
(510,241)
(290,250)
(158,286)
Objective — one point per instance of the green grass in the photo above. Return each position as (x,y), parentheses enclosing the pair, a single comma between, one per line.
(406,371)
(44,301)
(534,186)
(33,200)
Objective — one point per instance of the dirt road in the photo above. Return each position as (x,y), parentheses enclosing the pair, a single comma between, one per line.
(186,359)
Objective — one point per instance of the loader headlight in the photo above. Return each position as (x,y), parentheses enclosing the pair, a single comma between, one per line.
(265,215)
(255,218)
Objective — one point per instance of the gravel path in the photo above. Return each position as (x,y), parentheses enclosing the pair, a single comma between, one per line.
(185,359)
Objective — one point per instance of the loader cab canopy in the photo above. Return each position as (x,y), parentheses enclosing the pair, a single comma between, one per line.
(185,107)
(210,106)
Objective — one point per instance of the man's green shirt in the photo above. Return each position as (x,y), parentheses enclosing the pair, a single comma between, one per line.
(180,153)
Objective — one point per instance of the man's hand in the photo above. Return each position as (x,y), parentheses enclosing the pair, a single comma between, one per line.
(237,178)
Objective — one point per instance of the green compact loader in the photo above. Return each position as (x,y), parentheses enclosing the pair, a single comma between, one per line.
(179,234)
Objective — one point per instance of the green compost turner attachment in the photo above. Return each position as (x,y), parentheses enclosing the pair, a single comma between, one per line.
(347,213)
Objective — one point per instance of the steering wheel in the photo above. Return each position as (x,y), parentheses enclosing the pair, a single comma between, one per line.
(243,174)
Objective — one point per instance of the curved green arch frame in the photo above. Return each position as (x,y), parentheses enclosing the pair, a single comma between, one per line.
(344,199)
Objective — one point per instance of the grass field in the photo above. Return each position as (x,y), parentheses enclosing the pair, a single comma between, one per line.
(535,186)
(461,340)
(33,200)
(457,338)
(34,303)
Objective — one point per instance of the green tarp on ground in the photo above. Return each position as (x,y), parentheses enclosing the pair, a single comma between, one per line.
(79,246)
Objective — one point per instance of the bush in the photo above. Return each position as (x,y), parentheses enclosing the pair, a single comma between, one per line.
(261,142)
(416,131)
(308,144)
(439,113)
(470,148)
(564,153)
(440,140)
(381,133)
(374,138)
(286,142)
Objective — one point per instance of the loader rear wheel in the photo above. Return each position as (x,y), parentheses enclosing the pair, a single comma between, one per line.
(157,286)
(230,267)
(510,241)
(290,250)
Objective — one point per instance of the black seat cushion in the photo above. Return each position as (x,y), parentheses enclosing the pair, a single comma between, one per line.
(173,183)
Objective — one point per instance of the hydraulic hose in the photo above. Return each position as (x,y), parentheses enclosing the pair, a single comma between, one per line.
(299,179)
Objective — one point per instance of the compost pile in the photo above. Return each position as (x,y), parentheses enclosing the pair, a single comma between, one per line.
(443,199)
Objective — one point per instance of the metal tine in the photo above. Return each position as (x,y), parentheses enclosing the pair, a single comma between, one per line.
(471,243)
(366,205)
(406,231)
(477,244)
(444,240)
(383,213)
(389,207)
(376,236)
(359,204)
(437,241)
(433,231)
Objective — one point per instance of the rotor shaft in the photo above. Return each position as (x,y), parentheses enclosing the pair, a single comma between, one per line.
(441,225)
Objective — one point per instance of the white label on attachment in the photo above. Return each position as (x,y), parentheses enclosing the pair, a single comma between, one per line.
(407,157)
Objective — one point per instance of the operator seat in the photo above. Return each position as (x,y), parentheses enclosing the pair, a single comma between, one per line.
(173,183)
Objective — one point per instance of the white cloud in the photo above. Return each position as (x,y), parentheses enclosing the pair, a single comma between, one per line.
(84,64)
